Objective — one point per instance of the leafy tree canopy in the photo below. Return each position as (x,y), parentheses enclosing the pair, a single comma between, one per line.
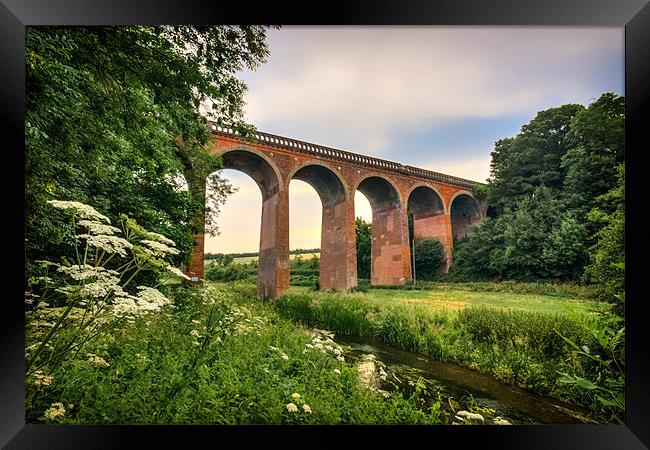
(114,119)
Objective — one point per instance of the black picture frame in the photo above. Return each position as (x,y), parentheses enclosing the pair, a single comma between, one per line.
(634,15)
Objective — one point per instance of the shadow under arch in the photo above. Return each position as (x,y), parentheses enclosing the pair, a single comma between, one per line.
(464,211)
(337,267)
(390,262)
(429,219)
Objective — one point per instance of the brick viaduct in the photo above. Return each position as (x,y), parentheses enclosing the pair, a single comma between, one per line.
(443,207)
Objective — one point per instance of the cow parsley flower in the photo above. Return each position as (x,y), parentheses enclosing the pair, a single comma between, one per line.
(158,248)
(84,211)
(306,408)
(98,227)
(97,360)
(292,408)
(41,379)
(108,243)
(177,272)
(160,238)
(55,411)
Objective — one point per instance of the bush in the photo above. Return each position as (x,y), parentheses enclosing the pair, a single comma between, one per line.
(231,272)
(523,330)
(429,257)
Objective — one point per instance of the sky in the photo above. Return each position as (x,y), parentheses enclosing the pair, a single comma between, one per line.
(431,97)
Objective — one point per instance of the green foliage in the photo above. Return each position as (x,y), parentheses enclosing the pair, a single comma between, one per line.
(543,183)
(519,347)
(530,241)
(78,302)
(364,246)
(606,383)
(521,329)
(230,272)
(104,109)
(607,263)
(429,257)
(219,358)
(532,158)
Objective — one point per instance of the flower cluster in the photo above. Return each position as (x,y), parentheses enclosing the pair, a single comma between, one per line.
(242,321)
(97,281)
(107,243)
(292,407)
(147,300)
(282,354)
(97,360)
(322,340)
(41,379)
(82,210)
(158,249)
(55,411)
(178,272)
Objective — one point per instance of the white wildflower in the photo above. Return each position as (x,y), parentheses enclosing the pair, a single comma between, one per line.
(285,357)
(54,411)
(194,333)
(151,299)
(147,300)
(110,244)
(84,211)
(160,238)
(98,227)
(85,271)
(306,408)
(337,371)
(41,379)
(97,360)
(177,272)
(340,358)
(158,248)
(295,396)
(292,408)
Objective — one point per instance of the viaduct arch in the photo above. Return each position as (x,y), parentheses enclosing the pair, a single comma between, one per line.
(443,208)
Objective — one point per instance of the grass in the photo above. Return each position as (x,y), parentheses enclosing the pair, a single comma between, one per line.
(513,337)
(219,356)
(450,298)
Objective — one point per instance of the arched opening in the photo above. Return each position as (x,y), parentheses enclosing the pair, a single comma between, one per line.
(333,268)
(233,253)
(363,224)
(426,214)
(464,212)
(272,263)
(390,256)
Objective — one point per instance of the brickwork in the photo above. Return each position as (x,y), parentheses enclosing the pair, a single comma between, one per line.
(272,161)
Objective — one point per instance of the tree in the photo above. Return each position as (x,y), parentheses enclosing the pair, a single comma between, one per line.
(364,246)
(532,158)
(113,120)
(597,140)
(607,256)
(429,256)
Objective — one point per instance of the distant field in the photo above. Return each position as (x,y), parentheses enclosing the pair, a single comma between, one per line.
(454,299)
(247,259)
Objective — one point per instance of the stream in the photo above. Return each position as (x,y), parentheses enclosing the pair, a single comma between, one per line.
(459,388)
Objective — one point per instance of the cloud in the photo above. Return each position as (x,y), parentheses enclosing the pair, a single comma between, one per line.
(358,88)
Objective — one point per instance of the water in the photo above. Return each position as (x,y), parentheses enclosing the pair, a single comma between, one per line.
(458,388)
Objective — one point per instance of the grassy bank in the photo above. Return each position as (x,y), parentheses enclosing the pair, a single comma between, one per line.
(218,356)
(514,337)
